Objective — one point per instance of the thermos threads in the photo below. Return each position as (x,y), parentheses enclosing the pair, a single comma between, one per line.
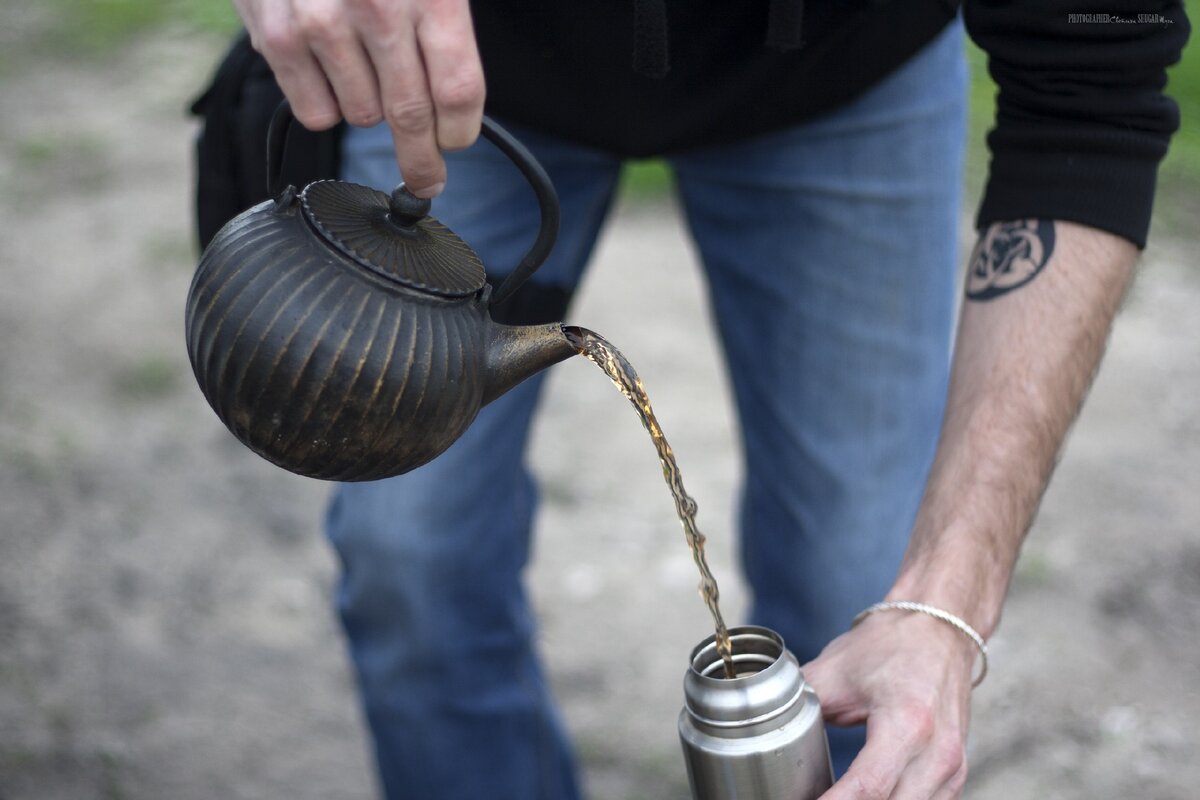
(758,736)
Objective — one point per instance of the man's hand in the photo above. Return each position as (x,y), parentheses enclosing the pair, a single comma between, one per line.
(413,63)
(908,676)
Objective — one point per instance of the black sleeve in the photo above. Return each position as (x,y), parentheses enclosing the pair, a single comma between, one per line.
(1081,118)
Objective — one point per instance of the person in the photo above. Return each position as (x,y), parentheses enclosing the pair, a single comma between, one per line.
(817,151)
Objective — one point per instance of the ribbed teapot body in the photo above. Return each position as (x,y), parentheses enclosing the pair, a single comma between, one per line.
(320,366)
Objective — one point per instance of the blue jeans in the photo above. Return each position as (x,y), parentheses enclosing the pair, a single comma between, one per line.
(830,252)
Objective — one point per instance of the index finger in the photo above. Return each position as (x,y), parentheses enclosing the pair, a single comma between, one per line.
(409,111)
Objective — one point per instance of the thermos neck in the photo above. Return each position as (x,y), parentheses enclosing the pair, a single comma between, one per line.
(768,689)
(758,735)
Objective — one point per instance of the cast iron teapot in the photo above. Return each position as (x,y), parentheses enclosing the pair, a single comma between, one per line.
(344,334)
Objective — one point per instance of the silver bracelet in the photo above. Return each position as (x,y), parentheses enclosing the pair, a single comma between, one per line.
(936,613)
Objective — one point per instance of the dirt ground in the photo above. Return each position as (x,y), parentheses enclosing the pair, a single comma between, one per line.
(165,621)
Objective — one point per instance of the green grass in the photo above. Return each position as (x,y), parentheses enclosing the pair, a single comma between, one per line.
(1178,203)
(45,161)
(97,28)
(34,153)
(981,115)
(648,179)
(1184,85)
(153,378)
(101,25)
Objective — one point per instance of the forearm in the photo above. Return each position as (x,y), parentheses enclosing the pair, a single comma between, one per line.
(1024,359)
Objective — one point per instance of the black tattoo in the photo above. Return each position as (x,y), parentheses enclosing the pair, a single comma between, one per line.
(1008,256)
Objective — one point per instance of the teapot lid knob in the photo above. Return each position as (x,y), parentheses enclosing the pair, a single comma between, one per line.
(405,208)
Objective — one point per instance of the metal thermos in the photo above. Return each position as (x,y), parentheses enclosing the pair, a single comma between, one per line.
(758,736)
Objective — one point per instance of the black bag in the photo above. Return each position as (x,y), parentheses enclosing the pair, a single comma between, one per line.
(231,149)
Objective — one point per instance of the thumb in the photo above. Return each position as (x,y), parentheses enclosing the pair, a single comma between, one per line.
(841,698)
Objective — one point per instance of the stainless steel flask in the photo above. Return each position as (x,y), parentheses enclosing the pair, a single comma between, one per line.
(758,736)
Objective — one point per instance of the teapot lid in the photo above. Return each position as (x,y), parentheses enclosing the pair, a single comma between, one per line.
(393,237)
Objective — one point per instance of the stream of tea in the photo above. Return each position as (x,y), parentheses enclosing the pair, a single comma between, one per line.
(602,353)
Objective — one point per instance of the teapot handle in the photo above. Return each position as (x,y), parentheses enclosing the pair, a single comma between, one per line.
(505,142)
(281,122)
(547,199)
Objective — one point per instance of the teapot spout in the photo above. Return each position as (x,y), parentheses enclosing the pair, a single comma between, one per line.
(518,352)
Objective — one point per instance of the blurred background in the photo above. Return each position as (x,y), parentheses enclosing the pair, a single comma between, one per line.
(165,621)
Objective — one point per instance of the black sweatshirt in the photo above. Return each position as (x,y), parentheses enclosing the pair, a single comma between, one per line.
(1082,121)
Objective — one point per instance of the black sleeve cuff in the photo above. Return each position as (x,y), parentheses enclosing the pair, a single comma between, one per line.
(1081,118)
(1112,191)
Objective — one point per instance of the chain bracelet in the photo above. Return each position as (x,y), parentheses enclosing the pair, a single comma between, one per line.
(936,613)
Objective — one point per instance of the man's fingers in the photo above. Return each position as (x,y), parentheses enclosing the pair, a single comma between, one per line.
(890,747)
(409,112)
(275,34)
(953,788)
(313,101)
(347,67)
(455,76)
(841,701)
(938,773)
(415,66)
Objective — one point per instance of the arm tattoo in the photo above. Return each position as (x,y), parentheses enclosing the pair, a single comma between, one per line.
(1008,256)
